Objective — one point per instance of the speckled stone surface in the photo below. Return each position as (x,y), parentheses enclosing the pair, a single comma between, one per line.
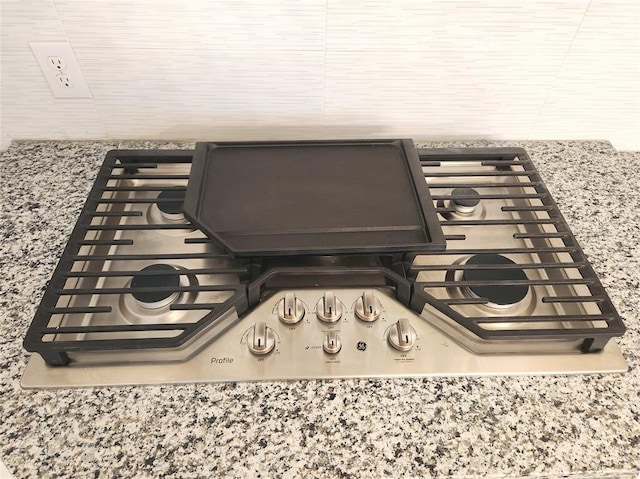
(587,426)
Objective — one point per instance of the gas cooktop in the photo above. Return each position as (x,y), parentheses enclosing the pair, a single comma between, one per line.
(481,277)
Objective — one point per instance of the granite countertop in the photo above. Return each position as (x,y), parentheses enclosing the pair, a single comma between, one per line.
(461,427)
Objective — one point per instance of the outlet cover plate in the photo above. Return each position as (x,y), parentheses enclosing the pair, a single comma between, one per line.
(78,87)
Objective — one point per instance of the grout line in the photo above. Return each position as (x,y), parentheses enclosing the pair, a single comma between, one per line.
(324,64)
(95,110)
(555,78)
(4,472)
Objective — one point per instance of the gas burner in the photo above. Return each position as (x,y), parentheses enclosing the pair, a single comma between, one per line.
(161,282)
(167,210)
(464,203)
(464,200)
(499,296)
(171,202)
(491,300)
(155,295)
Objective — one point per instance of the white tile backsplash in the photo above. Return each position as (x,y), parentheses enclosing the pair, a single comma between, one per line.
(329,68)
(4,472)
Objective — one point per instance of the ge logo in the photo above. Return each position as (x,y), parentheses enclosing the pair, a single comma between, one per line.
(361,346)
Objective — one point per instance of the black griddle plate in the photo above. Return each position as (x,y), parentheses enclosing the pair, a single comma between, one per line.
(312,197)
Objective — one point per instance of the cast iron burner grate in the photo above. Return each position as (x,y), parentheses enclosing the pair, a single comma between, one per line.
(543,239)
(68,318)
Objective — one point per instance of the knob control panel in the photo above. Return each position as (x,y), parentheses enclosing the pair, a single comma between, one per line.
(323,333)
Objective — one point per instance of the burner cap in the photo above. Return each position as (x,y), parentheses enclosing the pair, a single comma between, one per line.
(469,202)
(500,295)
(168,277)
(173,200)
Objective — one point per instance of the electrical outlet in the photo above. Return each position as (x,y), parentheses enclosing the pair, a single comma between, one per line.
(61,69)
(58,63)
(64,81)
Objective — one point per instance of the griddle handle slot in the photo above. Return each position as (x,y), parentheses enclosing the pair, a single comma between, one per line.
(373,275)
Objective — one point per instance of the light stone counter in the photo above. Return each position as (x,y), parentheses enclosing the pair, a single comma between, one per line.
(513,426)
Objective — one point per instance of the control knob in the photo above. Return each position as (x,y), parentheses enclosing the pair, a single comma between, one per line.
(329,308)
(332,343)
(368,307)
(290,309)
(401,335)
(261,339)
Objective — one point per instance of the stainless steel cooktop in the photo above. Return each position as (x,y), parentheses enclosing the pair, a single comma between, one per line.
(143,297)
